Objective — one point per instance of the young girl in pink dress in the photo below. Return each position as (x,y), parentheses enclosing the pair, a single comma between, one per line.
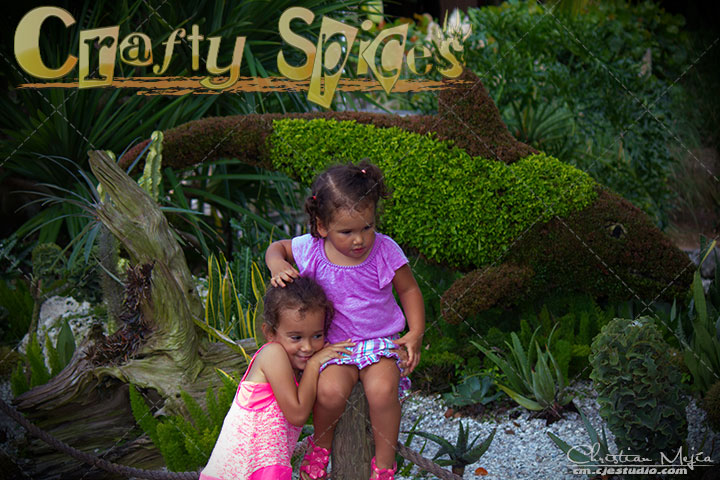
(358,269)
(263,424)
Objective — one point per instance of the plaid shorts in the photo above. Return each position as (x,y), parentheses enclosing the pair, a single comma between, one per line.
(367,352)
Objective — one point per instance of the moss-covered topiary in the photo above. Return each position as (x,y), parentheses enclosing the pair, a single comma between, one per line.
(638,388)
(609,250)
(482,205)
(465,106)
(469,117)
(457,201)
(500,286)
(711,405)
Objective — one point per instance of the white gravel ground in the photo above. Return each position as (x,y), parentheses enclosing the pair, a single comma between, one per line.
(521,448)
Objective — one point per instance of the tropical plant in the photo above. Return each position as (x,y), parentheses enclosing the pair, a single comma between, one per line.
(16,309)
(695,329)
(461,454)
(530,381)
(405,467)
(702,353)
(574,317)
(186,443)
(34,371)
(471,391)
(226,319)
(234,205)
(55,274)
(598,447)
(591,64)
(545,124)
(44,124)
(638,387)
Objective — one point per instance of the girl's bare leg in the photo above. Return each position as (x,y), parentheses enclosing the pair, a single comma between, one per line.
(334,387)
(380,381)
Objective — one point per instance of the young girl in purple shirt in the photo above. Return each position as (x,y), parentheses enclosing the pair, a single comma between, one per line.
(358,269)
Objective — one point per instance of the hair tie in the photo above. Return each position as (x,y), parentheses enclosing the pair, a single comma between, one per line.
(363,170)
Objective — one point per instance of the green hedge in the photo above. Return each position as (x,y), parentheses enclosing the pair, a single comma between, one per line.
(453,208)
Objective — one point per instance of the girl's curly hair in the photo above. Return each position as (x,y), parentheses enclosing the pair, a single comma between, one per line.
(301,294)
(350,186)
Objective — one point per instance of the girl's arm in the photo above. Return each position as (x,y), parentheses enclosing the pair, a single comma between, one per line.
(296,402)
(414,308)
(279,259)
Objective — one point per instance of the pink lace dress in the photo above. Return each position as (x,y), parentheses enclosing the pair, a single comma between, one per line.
(256,441)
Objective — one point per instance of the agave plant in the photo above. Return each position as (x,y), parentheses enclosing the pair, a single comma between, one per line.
(597,443)
(530,380)
(461,454)
(473,390)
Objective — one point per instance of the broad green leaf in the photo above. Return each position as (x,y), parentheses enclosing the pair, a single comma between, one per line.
(521,400)
(221,337)
(575,456)
(543,383)
(699,298)
(65,344)
(474,455)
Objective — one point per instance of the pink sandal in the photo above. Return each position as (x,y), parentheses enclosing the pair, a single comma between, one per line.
(382,473)
(317,460)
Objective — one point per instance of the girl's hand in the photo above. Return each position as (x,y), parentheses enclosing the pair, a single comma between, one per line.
(278,258)
(402,353)
(284,274)
(331,351)
(412,341)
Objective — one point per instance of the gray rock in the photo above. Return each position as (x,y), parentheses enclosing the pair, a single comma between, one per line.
(53,313)
(709,265)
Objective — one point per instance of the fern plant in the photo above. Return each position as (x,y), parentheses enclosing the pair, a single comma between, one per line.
(186,443)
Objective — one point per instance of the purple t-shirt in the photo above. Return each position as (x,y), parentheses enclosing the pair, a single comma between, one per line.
(361,294)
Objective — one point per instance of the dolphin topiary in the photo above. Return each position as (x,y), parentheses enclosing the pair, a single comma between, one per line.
(466,194)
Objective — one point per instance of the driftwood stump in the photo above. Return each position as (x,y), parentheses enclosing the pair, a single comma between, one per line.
(353,445)
(87,404)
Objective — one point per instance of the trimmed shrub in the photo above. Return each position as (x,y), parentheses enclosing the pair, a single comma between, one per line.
(502,283)
(437,371)
(477,206)
(472,120)
(463,107)
(610,250)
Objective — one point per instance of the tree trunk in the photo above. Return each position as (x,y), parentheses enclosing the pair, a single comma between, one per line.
(353,445)
(87,405)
